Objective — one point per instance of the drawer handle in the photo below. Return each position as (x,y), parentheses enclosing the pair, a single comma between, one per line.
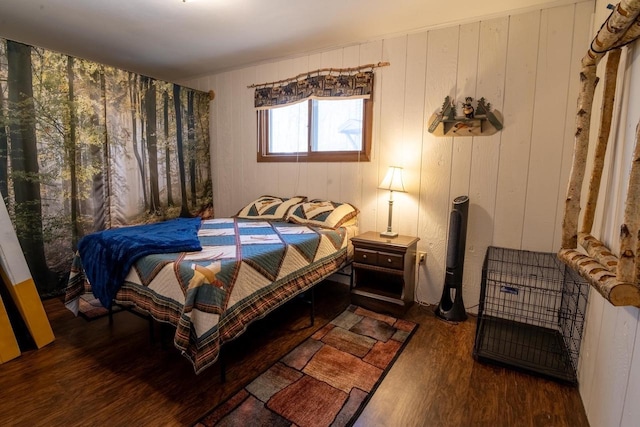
(364,256)
(389,260)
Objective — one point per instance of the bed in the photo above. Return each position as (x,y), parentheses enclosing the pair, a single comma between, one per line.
(248,266)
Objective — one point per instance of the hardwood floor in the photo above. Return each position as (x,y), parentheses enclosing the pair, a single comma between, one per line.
(99,374)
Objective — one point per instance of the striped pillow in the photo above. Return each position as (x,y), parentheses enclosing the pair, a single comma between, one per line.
(322,213)
(269,207)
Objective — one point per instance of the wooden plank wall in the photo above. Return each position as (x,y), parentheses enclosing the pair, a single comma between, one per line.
(522,64)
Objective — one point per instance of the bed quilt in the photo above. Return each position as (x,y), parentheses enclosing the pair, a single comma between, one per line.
(245,269)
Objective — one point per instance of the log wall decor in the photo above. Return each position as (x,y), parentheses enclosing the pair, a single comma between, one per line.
(616,278)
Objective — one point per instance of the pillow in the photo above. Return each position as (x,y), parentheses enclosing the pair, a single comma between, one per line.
(269,207)
(322,213)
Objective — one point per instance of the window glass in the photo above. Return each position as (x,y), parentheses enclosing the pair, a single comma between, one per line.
(338,125)
(289,128)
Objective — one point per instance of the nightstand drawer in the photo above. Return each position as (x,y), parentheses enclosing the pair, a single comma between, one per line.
(390,260)
(365,256)
(380,259)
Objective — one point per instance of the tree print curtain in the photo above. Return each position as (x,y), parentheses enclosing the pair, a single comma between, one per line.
(86,147)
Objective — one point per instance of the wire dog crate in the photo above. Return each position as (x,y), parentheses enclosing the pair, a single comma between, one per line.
(531,313)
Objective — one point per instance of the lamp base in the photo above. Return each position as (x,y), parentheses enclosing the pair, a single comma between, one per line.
(388,234)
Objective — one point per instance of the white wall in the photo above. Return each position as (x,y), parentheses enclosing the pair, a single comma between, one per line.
(525,65)
(609,371)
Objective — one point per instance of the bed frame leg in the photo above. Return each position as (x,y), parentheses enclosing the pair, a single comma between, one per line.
(223,367)
(312,310)
(111,314)
(152,336)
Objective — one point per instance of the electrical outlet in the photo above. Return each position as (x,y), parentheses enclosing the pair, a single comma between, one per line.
(422,257)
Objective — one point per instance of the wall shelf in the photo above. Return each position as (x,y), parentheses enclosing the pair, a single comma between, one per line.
(481,121)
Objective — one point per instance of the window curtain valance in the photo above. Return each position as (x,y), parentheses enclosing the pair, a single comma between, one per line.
(318,84)
(358,85)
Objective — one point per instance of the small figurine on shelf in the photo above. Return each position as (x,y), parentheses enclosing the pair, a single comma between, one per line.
(467,108)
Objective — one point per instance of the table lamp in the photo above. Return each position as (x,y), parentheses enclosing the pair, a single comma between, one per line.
(392,182)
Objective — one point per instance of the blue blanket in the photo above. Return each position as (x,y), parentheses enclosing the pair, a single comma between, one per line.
(108,255)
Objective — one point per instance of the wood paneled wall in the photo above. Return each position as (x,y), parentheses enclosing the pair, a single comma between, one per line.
(524,64)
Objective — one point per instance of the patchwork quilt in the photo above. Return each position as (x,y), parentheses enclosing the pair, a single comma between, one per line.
(246,268)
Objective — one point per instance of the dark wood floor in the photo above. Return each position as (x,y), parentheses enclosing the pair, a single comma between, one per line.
(97,374)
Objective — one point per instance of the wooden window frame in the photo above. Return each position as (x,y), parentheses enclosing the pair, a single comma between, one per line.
(315,156)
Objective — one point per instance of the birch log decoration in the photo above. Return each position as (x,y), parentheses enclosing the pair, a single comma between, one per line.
(599,251)
(612,32)
(588,82)
(632,33)
(605,282)
(608,98)
(627,271)
(616,279)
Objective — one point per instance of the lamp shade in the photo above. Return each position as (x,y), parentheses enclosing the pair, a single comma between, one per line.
(393,180)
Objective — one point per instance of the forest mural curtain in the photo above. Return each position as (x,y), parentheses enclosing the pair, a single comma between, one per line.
(86,147)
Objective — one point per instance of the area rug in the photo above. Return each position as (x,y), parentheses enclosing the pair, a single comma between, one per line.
(326,380)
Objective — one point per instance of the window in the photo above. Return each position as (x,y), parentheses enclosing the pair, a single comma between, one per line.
(316,117)
(328,130)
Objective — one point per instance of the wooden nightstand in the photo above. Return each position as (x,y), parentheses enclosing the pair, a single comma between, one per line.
(383,272)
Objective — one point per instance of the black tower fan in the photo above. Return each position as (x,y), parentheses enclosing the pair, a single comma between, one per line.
(452,308)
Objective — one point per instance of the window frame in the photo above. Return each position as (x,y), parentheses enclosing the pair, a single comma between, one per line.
(316,156)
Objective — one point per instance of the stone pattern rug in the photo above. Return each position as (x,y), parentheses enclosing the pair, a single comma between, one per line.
(326,380)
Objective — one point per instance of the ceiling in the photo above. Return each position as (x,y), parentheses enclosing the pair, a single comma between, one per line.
(174,40)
